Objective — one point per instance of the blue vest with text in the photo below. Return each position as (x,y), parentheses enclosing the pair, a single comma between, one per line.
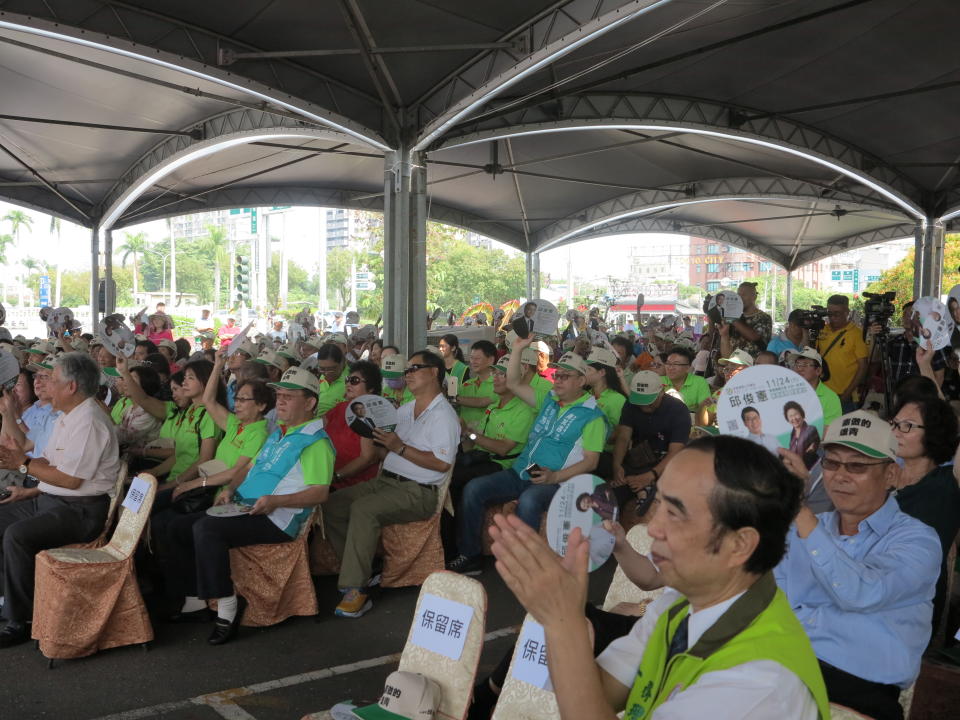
(555,437)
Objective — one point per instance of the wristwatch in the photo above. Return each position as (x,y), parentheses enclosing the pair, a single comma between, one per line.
(26,464)
(472,436)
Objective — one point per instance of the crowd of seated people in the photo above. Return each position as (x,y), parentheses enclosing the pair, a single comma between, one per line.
(795,574)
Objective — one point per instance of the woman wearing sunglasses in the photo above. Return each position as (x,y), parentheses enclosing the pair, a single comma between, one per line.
(357,457)
(926,433)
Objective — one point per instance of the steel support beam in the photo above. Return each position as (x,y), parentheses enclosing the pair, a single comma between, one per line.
(536,275)
(789,298)
(529,258)
(928,259)
(94,275)
(405,249)
(563,28)
(110,292)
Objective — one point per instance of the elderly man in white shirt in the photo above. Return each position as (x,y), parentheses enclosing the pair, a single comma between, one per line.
(421,451)
(722,641)
(69,505)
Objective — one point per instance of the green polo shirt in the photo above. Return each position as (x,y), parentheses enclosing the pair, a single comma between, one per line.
(510,422)
(119,410)
(241,440)
(475,388)
(541,387)
(459,370)
(694,390)
(397,397)
(830,402)
(611,402)
(333,394)
(191,428)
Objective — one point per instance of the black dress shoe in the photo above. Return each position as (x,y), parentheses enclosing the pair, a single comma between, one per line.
(14,634)
(224,631)
(203,615)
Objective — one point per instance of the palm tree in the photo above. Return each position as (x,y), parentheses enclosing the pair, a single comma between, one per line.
(135,245)
(32,264)
(18,219)
(55,229)
(214,245)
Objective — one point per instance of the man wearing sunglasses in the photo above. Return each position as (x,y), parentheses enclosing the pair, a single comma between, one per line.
(567,438)
(861,578)
(420,452)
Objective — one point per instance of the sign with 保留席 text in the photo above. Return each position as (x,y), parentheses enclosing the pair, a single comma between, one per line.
(441,626)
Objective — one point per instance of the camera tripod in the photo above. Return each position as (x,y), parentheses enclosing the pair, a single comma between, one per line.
(881,348)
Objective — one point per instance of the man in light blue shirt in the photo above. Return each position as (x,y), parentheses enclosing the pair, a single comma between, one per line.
(861,578)
(35,426)
(792,337)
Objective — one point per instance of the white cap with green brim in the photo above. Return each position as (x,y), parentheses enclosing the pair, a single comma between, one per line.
(645,387)
(737,357)
(42,348)
(864,432)
(286,351)
(113,372)
(269,357)
(571,361)
(406,696)
(807,352)
(502,363)
(602,356)
(297,378)
(45,364)
(393,366)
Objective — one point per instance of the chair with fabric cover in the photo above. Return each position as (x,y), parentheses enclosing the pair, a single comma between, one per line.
(115,496)
(621,590)
(87,599)
(455,677)
(413,550)
(507,508)
(842,712)
(519,700)
(275,579)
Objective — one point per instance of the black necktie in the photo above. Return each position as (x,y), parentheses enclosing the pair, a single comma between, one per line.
(679,642)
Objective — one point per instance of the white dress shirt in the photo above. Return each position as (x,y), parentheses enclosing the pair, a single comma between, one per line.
(84,445)
(437,430)
(758,690)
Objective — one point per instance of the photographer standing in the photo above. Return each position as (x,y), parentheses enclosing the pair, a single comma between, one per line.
(902,351)
(752,331)
(841,344)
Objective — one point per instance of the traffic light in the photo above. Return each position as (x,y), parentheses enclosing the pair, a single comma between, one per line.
(243,280)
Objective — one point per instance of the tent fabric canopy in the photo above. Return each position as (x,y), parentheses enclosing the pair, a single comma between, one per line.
(797,129)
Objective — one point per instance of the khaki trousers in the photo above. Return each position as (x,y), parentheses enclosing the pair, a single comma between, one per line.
(353,517)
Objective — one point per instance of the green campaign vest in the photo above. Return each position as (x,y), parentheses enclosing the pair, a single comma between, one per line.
(759,626)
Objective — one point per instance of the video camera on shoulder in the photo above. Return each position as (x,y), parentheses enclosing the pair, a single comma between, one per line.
(812,319)
(878,308)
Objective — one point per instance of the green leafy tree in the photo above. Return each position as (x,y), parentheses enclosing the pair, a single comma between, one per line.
(55,229)
(339,269)
(18,220)
(214,246)
(301,287)
(5,240)
(137,246)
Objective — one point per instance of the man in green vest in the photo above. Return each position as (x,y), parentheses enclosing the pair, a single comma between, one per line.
(721,641)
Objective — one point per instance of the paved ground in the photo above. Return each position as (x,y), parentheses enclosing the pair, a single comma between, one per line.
(283,672)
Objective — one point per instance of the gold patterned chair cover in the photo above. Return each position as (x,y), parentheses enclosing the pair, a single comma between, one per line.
(115,494)
(520,700)
(275,579)
(411,551)
(456,678)
(842,712)
(87,599)
(621,590)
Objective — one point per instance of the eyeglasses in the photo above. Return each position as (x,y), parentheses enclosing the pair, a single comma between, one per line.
(242,399)
(563,377)
(676,364)
(328,371)
(854,468)
(804,364)
(905,426)
(354,380)
(413,368)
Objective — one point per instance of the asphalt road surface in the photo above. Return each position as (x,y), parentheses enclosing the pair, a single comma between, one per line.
(279,673)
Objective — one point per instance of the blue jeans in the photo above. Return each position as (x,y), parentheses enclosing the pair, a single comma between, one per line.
(500,487)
